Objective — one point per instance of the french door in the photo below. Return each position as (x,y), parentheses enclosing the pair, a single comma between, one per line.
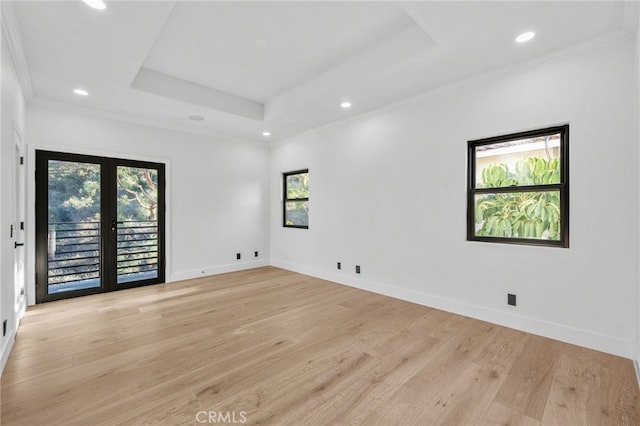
(99,224)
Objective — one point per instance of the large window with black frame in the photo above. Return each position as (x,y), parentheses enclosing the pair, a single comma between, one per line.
(518,188)
(295,206)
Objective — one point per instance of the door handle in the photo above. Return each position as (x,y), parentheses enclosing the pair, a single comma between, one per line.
(17,244)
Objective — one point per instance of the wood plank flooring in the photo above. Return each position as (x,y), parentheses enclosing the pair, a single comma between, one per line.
(272,347)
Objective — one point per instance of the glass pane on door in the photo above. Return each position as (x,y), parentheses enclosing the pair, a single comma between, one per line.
(74,234)
(137,224)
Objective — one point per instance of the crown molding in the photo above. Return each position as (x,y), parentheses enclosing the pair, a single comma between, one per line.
(16,48)
(613,38)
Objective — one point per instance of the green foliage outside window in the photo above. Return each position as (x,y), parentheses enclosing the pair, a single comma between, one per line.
(524,214)
(74,192)
(137,194)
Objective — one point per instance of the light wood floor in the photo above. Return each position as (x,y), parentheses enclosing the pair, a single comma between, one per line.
(276,347)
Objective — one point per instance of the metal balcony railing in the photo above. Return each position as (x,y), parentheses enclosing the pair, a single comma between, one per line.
(75,253)
(137,250)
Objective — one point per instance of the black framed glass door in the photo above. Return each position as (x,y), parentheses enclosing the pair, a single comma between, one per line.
(99,224)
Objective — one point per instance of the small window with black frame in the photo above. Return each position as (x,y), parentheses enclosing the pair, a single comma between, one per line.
(518,188)
(295,209)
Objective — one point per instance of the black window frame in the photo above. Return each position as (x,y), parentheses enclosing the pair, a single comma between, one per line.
(562,187)
(287,200)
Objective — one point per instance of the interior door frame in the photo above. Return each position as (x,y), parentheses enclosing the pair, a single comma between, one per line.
(109,244)
(19,221)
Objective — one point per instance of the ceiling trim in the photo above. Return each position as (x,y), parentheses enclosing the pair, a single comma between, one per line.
(619,36)
(16,47)
(610,39)
(140,121)
(175,88)
(346,77)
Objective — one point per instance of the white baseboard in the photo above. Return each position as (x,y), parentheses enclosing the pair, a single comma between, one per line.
(215,270)
(581,337)
(637,367)
(7,351)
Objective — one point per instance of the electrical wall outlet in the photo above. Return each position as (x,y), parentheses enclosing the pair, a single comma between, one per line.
(238,256)
(357,269)
(511,299)
(339,265)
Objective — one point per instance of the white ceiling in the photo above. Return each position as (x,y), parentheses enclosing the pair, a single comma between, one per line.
(285,67)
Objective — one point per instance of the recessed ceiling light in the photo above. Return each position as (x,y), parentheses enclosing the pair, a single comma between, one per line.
(524,37)
(196,118)
(345,104)
(266,133)
(96,4)
(80,92)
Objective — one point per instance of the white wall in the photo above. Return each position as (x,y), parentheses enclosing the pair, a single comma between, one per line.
(387,192)
(637,112)
(217,190)
(12,113)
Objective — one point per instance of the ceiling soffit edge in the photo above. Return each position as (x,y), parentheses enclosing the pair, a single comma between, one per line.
(141,121)
(606,40)
(171,87)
